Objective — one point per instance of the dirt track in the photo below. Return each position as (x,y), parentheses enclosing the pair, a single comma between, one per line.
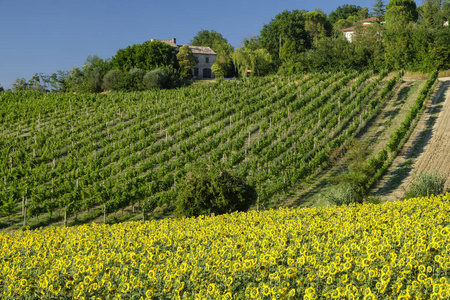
(428,148)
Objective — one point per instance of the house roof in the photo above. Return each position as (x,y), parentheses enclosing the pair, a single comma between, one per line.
(366,22)
(369,20)
(201,50)
(353,28)
(171,42)
(194,49)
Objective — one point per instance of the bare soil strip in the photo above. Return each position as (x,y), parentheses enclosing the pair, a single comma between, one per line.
(426,150)
(376,135)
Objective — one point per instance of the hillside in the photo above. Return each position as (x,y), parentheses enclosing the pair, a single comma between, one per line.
(425,151)
(69,157)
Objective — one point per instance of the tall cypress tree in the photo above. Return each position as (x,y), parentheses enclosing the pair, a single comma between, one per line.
(379,9)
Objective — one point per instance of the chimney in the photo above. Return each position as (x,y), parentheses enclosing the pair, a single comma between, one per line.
(174,40)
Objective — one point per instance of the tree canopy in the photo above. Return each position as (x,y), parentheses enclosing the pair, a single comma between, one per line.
(146,56)
(379,9)
(286,26)
(317,24)
(343,12)
(187,61)
(220,45)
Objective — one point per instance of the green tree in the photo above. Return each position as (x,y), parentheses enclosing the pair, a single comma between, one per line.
(135,79)
(218,70)
(317,25)
(220,45)
(209,189)
(378,10)
(187,61)
(368,46)
(429,14)
(344,12)
(288,25)
(288,51)
(89,77)
(146,56)
(330,54)
(93,71)
(156,79)
(20,84)
(355,171)
(400,18)
(258,61)
(115,80)
(212,39)
(401,12)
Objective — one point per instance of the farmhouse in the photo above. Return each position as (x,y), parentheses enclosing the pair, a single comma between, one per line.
(349,32)
(205,55)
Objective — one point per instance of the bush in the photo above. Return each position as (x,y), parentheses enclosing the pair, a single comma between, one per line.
(115,80)
(426,184)
(135,78)
(207,190)
(341,194)
(156,79)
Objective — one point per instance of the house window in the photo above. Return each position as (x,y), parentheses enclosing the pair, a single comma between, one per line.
(207,59)
(196,72)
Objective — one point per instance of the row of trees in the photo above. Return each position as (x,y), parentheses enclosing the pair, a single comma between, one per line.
(404,36)
(152,64)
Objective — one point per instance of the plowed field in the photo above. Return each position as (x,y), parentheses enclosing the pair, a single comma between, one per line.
(427,150)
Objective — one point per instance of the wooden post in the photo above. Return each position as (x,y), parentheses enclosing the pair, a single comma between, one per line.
(25,214)
(65,216)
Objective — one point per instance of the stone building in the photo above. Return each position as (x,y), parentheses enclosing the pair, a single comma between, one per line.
(205,55)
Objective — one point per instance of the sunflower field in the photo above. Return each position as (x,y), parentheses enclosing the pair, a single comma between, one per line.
(397,250)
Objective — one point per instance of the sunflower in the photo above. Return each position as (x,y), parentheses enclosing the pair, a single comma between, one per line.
(361,277)
(211,288)
(254,292)
(265,290)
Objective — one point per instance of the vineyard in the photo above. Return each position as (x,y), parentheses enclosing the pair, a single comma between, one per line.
(63,154)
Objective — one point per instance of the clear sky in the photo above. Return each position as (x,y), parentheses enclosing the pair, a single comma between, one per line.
(43,36)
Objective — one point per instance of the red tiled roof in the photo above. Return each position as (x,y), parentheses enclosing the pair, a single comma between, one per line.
(369,20)
(353,28)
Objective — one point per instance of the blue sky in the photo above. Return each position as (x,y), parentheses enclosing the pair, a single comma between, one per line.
(43,36)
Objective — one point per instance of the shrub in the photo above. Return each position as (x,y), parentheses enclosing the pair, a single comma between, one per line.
(426,184)
(135,78)
(207,190)
(156,79)
(341,194)
(115,80)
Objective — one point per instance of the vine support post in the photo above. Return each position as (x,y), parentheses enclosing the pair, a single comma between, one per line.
(25,213)
(65,216)
(143,211)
